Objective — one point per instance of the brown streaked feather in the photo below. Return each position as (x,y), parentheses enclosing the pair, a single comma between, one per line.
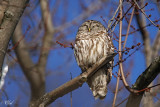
(91,47)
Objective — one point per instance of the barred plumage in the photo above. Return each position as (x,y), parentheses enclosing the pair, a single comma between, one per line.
(92,43)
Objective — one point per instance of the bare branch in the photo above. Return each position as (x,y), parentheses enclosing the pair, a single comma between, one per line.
(116,90)
(71,85)
(141,20)
(120,56)
(47,38)
(145,14)
(143,81)
(129,24)
(121,102)
(145,36)
(112,19)
(28,67)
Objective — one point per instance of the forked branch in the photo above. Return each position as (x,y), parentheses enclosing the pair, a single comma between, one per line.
(143,81)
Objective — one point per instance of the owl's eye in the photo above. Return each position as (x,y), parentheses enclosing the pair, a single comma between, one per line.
(86,26)
(83,28)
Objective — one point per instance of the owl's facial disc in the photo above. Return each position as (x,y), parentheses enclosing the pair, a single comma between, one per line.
(91,27)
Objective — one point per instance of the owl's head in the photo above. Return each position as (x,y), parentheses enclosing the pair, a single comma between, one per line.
(91,27)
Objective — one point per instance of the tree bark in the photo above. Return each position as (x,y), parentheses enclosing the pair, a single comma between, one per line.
(143,81)
(71,85)
(9,19)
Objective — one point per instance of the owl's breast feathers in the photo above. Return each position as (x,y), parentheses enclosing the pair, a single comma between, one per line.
(89,51)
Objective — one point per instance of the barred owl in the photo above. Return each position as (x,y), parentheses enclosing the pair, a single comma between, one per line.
(91,44)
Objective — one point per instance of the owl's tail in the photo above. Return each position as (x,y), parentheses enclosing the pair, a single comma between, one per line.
(98,83)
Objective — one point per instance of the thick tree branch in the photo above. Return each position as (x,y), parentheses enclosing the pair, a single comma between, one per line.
(47,38)
(156,45)
(3,7)
(28,67)
(71,85)
(145,36)
(148,51)
(143,81)
(8,25)
(35,73)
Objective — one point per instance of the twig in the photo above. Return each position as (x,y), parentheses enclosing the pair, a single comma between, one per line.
(64,45)
(120,32)
(71,91)
(145,14)
(139,91)
(16,44)
(120,59)
(116,22)
(116,90)
(128,28)
(122,102)
(111,20)
(148,88)
(143,27)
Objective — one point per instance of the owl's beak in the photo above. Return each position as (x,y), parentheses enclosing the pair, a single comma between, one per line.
(89,29)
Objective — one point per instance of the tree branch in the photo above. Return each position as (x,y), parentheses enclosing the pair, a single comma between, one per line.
(47,38)
(120,54)
(28,67)
(8,25)
(145,36)
(141,20)
(3,7)
(143,81)
(71,85)
(35,73)
(156,45)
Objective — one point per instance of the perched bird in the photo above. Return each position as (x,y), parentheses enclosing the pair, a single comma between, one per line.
(93,43)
